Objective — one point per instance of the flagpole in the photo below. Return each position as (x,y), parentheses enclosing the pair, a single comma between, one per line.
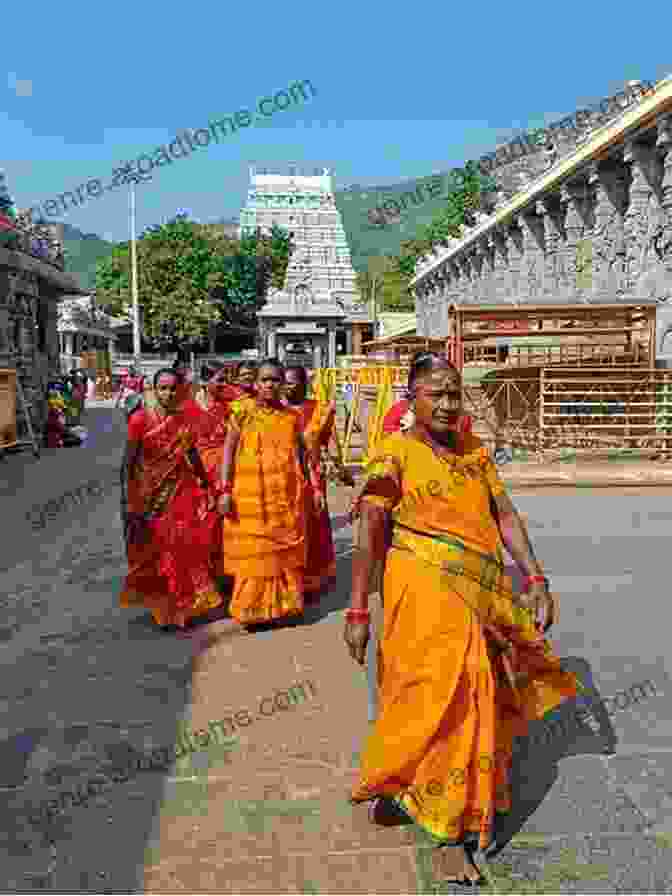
(134,286)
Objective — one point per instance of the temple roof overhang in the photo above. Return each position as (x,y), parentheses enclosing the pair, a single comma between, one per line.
(635,119)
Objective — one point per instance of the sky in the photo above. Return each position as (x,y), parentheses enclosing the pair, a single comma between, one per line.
(400,92)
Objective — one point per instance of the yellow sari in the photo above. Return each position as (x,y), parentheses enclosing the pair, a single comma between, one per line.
(450,700)
(264,541)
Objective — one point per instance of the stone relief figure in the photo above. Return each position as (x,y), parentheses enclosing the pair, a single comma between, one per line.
(656,281)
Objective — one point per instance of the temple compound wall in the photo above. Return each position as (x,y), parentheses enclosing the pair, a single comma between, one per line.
(30,289)
(593,227)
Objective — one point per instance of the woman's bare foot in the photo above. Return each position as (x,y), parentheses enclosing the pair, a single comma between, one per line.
(452,864)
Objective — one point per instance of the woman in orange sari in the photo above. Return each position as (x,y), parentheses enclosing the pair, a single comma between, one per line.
(463,663)
(264,473)
(321,557)
(319,428)
(169,519)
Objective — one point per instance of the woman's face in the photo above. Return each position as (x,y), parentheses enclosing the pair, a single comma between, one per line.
(270,383)
(247,376)
(438,401)
(218,386)
(166,391)
(295,387)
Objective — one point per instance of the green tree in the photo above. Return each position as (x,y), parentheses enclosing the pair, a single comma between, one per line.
(391,284)
(467,194)
(192,278)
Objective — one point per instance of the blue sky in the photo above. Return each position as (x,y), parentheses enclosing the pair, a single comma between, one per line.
(402,91)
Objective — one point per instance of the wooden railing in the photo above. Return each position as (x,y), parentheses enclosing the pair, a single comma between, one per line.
(578,354)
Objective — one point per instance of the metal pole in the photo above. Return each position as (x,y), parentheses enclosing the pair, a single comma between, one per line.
(134,287)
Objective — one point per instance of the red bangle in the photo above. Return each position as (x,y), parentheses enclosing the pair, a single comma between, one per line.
(357,615)
(227,488)
(536,580)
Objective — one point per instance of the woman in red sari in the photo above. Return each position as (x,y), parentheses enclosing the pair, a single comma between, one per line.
(169,516)
(321,559)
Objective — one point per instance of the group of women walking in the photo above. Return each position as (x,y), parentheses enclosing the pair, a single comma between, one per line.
(238,490)
(228,492)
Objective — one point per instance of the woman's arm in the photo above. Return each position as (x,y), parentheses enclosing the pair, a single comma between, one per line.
(369,551)
(229,455)
(311,468)
(514,536)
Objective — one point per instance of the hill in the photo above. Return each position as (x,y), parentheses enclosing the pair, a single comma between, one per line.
(84,250)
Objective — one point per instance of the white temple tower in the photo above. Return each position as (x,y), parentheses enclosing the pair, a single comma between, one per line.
(319,306)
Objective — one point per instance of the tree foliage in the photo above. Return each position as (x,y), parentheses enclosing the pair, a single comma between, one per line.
(468,194)
(191,278)
(390,284)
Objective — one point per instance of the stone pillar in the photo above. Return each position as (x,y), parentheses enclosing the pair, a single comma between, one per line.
(485,288)
(497,245)
(551,216)
(348,339)
(573,197)
(664,149)
(532,261)
(636,224)
(331,362)
(662,245)
(271,341)
(608,184)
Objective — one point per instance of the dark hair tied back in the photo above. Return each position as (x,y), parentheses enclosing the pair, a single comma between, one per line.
(167,371)
(424,362)
(300,370)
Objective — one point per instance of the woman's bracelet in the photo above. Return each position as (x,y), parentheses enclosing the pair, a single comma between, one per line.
(357,616)
(226,488)
(536,580)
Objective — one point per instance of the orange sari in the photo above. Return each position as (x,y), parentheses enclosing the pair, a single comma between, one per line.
(450,700)
(264,540)
(321,557)
(169,572)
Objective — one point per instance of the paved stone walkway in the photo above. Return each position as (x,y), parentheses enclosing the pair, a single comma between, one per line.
(88,688)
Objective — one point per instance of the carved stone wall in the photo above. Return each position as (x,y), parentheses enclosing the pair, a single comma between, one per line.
(25,302)
(603,233)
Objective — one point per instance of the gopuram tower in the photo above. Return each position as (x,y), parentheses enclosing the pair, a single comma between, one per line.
(318,314)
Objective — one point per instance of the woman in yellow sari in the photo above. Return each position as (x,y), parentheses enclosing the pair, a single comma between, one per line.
(463,663)
(265,471)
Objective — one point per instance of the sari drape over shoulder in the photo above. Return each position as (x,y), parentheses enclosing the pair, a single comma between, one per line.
(450,700)
(169,572)
(264,540)
(317,423)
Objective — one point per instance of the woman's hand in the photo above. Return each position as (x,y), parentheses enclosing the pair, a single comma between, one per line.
(357,637)
(346,477)
(539,599)
(225,505)
(319,501)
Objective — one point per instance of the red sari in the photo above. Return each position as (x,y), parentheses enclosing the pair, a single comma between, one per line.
(211,449)
(321,557)
(169,572)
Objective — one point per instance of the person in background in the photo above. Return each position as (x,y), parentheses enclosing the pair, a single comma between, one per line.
(220,396)
(91,388)
(265,469)
(55,426)
(132,385)
(463,664)
(318,427)
(246,378)
(168,510)
(78,396)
